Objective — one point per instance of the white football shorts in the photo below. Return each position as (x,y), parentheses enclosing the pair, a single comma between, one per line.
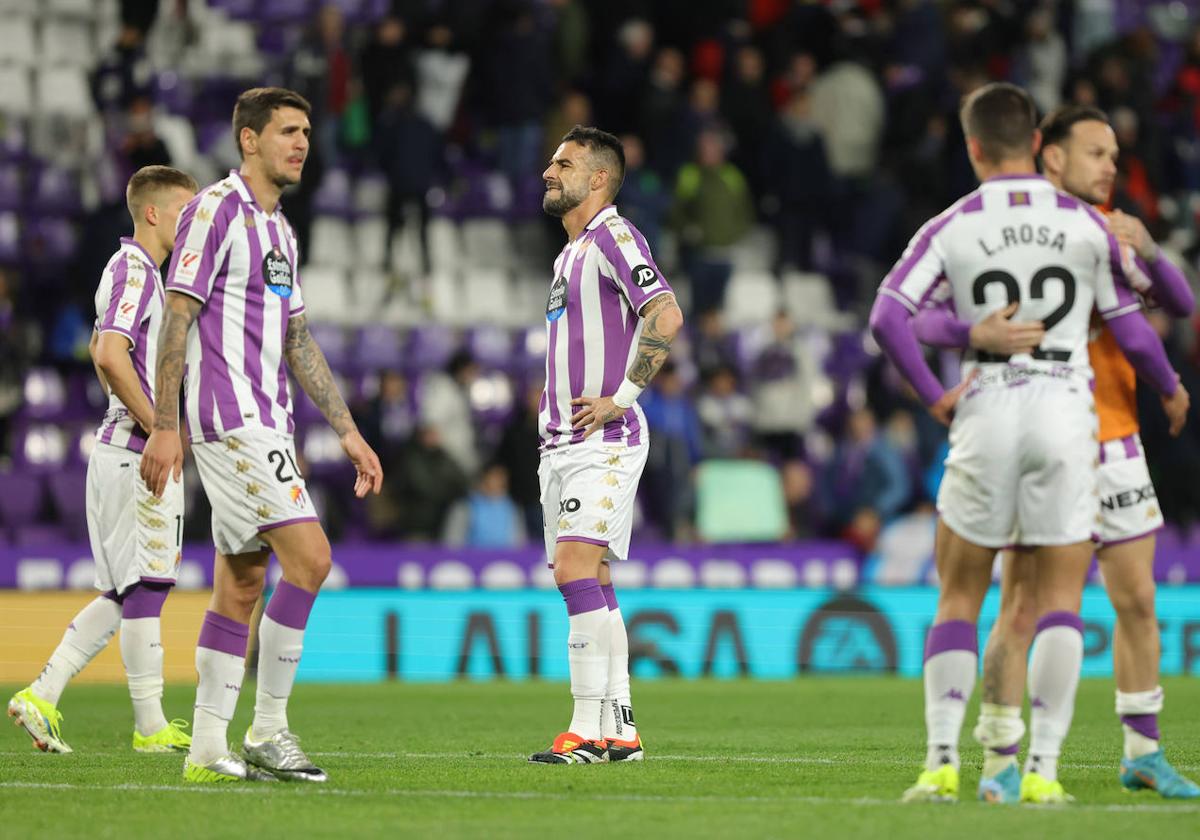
(588,495)
(1128,505)
(253,484)
(1023,462)
(135,535)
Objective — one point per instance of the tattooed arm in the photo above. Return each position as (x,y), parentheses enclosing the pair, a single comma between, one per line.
(661,322)
(311,370)
(163,455)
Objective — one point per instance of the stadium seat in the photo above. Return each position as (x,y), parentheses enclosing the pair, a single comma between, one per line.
(739,501)
(429,347)
(751,297)
(68,492)
(378,346)
(446,301)
(326,294)
(10,238)
(372,288)
(332,243)
(16,91)
(371,195)
(77,9)
(486,296)
(17,45)
(12,189)
(21,496)
(66,42)
(41,446)
(333,197)
(486,243)
(63,92)
(331,338)
(808,298)
(502,575)
(370,241)
(755,251)
(491,346)
(57,191)
(445,245)
(45,393)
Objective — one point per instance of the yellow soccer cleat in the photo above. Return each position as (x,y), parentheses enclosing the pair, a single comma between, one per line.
(1039,790)
(940,785)
(40,719)
(171,738)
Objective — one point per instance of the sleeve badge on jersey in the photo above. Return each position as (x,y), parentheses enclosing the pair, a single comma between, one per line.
(123,317)
(644,276)
(188,265)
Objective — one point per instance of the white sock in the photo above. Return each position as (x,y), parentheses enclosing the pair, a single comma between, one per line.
(86,635)
(142,652)
(951,663)
(216,699)
(618,720)
(1053,680)
(587,654)
(1139,720)
(279,649)
(1000,729)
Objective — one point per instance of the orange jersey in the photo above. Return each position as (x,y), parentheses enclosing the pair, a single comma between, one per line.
(1116,387)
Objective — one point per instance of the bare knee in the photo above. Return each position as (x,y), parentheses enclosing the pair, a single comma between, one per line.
(237,595)
(313,566)
(1135,605)
(576,561)
(1018,621)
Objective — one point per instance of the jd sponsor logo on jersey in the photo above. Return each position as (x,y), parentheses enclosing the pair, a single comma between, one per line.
(277,272)
(556,304)
(644,276)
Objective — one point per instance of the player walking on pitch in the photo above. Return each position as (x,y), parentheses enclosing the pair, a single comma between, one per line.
(610,320)
(1023,433)
(1079,155)
(234,273)
(135,536)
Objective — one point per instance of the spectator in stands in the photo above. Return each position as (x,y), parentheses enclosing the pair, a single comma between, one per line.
(725,414)
(1041,61)
(387,422)
(445,405)
(573,108)
(746,107)
(386,62)
(798,494)
(571,35)
(661,114)
(141,146)
(713,212)
(410,150)
(799,185)
(124,72)
(487,518)
(678,446)
(320,70)
(784,380)
(865,484)
(429,482)
(712,345)
(517,452)
(625,76)
(643,198)
(18,343)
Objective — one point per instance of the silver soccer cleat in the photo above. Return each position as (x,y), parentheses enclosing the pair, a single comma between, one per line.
(281,756)
(227,768)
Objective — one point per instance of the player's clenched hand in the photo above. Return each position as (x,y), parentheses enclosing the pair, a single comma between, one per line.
(1130,231)
(998,333)
(943,409)
(366,462)
(596,411)
(1177,406)
(161,459)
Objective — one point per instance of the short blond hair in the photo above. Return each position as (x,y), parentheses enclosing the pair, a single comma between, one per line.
(151,179)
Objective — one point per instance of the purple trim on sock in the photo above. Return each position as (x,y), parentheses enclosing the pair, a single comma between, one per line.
(583,596)
(144,600)
(610,596)
(1013,750)
(223,634)
(290,605)
(1060,619)
(951,635)
(1144,725)
(112,596)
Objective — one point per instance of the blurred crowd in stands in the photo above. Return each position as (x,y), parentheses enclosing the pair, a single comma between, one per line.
(801,142)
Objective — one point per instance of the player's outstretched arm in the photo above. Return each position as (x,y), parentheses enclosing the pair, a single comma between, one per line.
(116,372)
(308,365)
(661,322)
(163,455)
(1145,352)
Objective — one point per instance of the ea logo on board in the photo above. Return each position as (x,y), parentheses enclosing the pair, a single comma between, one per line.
(644,276)
(277,272)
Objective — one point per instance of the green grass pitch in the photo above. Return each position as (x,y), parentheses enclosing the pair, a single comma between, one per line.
(817,757)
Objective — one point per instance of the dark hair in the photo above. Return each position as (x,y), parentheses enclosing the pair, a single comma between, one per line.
(1002,117)
(604,146)
(255,107)
(149,179)
(1057,125)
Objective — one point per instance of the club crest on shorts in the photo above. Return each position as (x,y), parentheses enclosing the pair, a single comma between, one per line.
(277,272)
(297,495)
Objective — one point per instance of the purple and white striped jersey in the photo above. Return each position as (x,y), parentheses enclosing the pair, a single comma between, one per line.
(241,263)
(602,279)
(129,301)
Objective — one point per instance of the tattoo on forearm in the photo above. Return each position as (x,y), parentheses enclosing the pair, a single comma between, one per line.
(655,343)
(178,315)
(308,365)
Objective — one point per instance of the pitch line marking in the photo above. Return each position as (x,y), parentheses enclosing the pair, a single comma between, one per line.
(306,790)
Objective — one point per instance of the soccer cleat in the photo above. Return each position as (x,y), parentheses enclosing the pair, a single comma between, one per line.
(40,719)
(626,750)
(569,748)
(940,785)
(1154,772)
(227,768)
(1002,789)
(281,756)
(1039,790)
(171,738)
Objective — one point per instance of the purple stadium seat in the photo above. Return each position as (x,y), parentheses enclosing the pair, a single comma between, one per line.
(429,347)
(56,191)
(285,11)
(10,238)
(334,197)
(20,498)
(378,346)
(492,347)
(34,535)
(40,447)
(12,189)
(68,491)
(172,92)
(45,393)
(54,240)
(332,341)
